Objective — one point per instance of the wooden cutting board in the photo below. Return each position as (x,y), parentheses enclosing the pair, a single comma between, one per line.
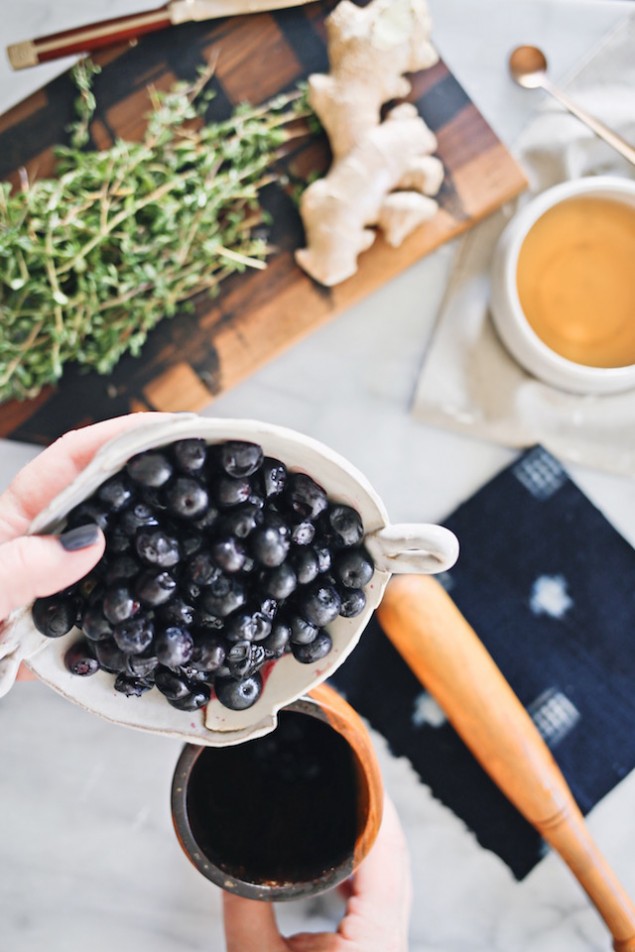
(191,358)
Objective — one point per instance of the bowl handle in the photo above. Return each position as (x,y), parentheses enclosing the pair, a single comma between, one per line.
(413,548)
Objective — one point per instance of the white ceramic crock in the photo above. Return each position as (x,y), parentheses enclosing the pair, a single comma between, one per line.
(512,325)
(394,548)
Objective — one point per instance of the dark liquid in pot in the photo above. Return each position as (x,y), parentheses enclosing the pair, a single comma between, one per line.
(281,808)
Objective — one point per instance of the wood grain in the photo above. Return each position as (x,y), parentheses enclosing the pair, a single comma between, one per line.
(256,315)
(447,657)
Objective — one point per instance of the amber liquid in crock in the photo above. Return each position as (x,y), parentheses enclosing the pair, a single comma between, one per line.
(576,281)
(279,809)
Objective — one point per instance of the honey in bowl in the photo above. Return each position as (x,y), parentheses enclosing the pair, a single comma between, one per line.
(576,281)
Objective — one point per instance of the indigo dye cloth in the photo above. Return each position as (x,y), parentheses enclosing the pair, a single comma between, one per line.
(549,586)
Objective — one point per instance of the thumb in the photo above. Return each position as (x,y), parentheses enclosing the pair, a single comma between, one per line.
(250,925)
(36,566)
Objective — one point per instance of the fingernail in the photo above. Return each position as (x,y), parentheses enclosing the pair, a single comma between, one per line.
(79,538)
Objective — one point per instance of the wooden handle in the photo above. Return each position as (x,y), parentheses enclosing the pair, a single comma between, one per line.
(84,39)
(445,654)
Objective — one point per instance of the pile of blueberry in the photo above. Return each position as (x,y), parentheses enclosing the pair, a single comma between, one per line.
(218,560)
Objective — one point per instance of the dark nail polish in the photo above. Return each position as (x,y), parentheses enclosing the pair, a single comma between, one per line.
(79,538)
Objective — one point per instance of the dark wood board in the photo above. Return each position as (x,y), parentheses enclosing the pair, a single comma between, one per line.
(191,358)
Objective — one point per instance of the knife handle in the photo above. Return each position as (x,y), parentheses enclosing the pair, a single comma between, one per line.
(447,657)
(87,38)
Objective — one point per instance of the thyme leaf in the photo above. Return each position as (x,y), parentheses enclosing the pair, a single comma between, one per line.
(92,260)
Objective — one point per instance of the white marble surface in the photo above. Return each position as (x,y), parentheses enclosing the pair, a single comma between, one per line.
(87,854)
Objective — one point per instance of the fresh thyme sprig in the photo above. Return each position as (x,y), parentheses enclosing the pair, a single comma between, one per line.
(91,260)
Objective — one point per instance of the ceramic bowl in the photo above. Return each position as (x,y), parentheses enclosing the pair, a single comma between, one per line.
(515,331)
(394,548)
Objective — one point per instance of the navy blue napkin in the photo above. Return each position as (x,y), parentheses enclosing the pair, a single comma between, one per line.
(549,586)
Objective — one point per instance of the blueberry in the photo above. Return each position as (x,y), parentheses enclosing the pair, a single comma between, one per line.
(137,516)
(186,498)
(54,615)
(172,684)
(253,660)
(177,612)
(269,608)
(123,566)
(240,626)
(305,563)
(274,476)
(111,658)
(190,455)
(223,596)
(87,512)
(305,498)
(320,605)
(116,492)
(202,569)
(206,623)
(354,568)
(239,659)
(80,659)
(247,626)
(142,665)
(156,547)
(193,673)
(94,625)
(240,521)
(302,631)
(154,588)
(240,459)
(231,492)
(153,498)
(119,603)
(190,590)
(353,602)
(269,545)
(90,586)
(303,532)
(132,686)
(194,700)
(315,651)
(323,556)
(346,525)
(280,582)
(238,695)
(152,469)
(228,554)
(207,520)
(278,640)
(174,646)
(117,540)
(191,545)
(134,636)
(209,652)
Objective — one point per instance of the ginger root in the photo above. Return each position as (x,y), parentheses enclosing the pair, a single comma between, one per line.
(383,173)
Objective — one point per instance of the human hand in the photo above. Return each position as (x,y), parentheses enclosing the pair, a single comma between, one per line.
(377,910)
(36,566)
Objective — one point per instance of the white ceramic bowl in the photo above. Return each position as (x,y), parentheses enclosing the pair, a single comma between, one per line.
(394,548)
(516,333)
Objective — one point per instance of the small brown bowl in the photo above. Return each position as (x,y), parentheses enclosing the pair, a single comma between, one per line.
(264,848)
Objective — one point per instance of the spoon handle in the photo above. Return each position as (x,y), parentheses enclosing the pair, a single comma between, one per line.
(446,655)
(616,141)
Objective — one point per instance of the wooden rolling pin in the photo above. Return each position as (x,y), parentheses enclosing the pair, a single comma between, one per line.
(445,654)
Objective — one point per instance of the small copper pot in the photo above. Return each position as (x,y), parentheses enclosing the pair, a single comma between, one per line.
(326,705)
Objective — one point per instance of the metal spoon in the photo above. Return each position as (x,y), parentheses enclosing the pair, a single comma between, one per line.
(528,67)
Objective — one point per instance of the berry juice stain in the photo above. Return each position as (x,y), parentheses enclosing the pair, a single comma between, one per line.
(278,809)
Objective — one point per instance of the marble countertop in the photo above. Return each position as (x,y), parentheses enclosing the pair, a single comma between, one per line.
(87,853)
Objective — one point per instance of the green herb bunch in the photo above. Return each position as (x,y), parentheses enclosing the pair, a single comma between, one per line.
(91,260)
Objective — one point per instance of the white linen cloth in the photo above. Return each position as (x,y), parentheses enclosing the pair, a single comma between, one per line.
(468,381)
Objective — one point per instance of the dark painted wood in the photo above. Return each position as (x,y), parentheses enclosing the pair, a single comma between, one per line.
(191,358)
